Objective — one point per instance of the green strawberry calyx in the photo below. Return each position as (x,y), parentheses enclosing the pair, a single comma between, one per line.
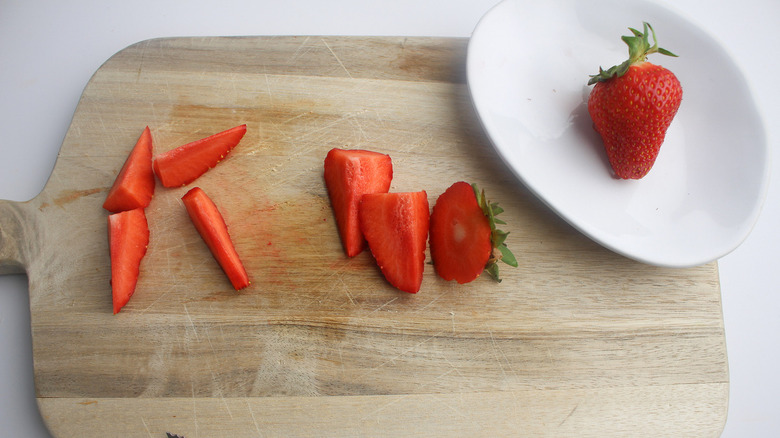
(497,237)
(638,49)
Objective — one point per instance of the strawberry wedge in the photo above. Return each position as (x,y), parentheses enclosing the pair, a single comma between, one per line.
(183,165)
(350,174)
(212,228)
(395,226)
(134,186)
(128,238)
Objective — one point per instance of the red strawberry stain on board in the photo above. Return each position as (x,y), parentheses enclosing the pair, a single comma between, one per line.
(72,195)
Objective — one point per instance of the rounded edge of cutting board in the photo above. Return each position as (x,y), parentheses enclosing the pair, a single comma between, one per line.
(15,233)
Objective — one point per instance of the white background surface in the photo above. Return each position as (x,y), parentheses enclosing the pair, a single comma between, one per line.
(49,50)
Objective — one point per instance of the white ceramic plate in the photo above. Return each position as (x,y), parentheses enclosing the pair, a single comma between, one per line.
(528,66)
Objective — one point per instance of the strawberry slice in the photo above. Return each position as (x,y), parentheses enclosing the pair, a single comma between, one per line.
(134,186)
(183,165)
(464,235)
(349,174)
(395,226)
(128,238)
(460,235)
(212,228)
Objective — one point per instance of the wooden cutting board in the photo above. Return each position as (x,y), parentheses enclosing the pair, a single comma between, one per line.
(577,341)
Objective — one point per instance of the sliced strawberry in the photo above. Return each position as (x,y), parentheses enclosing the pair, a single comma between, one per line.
(134,186)
(128,238)
(395,226)
(183,165)
(349,174)
(464,235)
(212,228)
(460,235)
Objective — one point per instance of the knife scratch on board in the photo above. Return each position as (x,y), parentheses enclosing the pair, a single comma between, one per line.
(254,420)
(383,305)
(452,365)
(337,58)
(268,88)
(360,133)
(192,323)
(570,414)
(349,295)
(295,55)
(452,316)
(146,427)
(401,354)
(497,352)
(194,407)
(221,395)
(435,299)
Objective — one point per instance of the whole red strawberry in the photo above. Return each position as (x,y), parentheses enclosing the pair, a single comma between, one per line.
(632,106)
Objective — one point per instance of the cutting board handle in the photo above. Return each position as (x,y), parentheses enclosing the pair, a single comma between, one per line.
(12,237)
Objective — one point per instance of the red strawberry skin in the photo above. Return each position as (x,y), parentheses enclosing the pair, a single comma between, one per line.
(350,174)
(134,186)
(212,228)
(128,239)
(395,226)
(632,114)
(183,165)
(460,235)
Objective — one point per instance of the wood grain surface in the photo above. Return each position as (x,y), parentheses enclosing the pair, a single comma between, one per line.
(577,341)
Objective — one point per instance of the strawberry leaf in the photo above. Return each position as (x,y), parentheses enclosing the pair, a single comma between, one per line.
(636,32)
(497,237)
(507,256)
(492,269)
(638,49)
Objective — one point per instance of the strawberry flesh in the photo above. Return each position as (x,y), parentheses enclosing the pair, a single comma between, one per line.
(134,185)
(460,235)
(183,165)
(395,226)
(212,228)
(128,239)
(350,174)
